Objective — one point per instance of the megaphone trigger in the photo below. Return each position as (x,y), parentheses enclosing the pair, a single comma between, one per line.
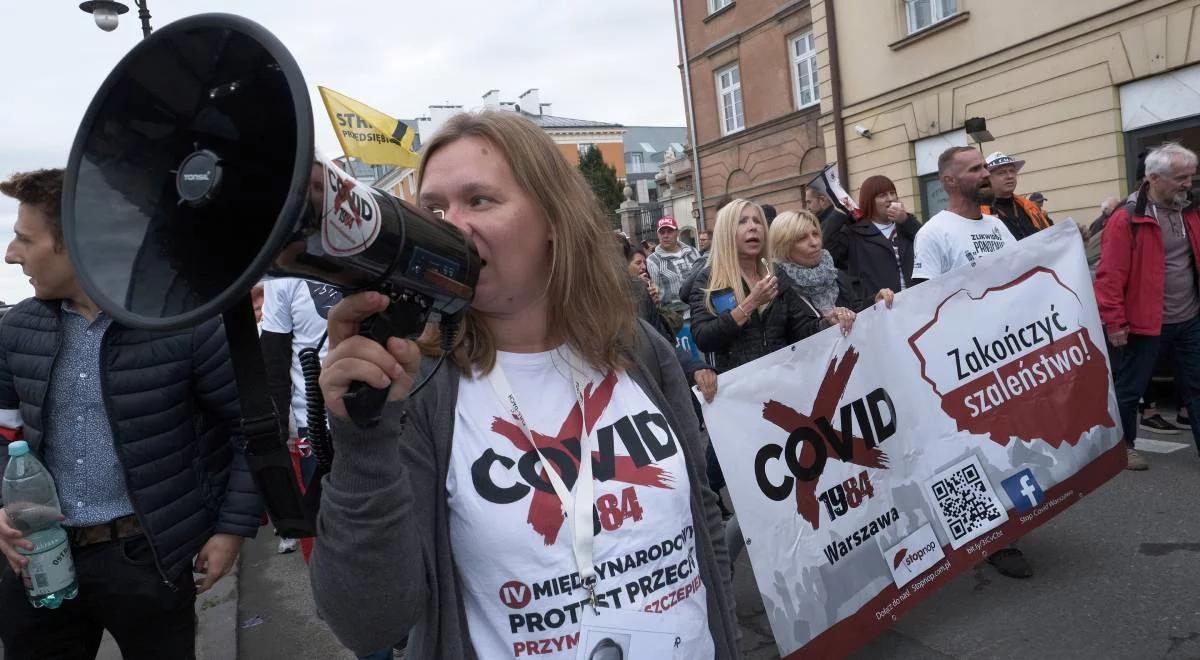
(404,317)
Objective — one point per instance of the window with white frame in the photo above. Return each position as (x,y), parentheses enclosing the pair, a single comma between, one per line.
(923,13)
(716,5)
(729,100)
(804,70)
(583,148)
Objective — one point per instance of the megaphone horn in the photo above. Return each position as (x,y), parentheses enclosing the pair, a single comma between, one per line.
(193,176)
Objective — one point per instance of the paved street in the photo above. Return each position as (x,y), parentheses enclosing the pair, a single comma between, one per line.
(1117,577)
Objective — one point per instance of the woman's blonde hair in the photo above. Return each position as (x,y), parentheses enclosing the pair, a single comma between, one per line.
(789,227)
(725,272)
(590,306)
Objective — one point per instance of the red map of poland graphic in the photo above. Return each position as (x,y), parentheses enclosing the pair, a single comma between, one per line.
(545,510)
(824,407)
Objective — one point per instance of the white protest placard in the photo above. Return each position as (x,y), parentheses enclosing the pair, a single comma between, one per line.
(868,470)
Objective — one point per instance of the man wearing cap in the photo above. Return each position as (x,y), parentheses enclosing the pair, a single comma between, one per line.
(670,263)
(1023,216)
(1039,199)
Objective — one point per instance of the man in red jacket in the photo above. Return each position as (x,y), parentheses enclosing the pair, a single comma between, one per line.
(1146,284)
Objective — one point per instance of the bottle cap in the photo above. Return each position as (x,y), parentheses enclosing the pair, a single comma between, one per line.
(18,448)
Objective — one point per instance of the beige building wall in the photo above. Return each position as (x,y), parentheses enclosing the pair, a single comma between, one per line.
(1044,74)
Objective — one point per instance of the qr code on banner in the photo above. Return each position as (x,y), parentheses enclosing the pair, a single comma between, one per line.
(965,502)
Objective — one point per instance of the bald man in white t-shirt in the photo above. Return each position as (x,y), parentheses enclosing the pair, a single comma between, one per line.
(958,236)
(962,233)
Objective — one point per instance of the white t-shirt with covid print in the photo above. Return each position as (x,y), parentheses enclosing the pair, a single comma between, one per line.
(949,240)
(512,545)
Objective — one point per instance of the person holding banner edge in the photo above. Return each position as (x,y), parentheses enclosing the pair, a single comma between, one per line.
(1146,285)
(744,306)
(954,238)
(415,529)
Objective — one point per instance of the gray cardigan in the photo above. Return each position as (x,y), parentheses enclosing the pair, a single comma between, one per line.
(383,564)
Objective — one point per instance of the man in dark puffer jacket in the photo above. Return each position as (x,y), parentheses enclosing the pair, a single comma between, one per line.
(141,432)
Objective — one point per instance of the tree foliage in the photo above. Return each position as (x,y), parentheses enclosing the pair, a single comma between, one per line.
(602,177)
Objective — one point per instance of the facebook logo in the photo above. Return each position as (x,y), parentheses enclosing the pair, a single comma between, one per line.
(1024,491)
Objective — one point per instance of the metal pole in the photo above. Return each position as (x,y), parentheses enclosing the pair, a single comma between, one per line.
(144,15)
(835,85)
(687,84)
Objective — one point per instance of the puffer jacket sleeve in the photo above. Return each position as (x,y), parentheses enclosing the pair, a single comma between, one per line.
(713,333)
(212,373)
(803,320)
(10,413)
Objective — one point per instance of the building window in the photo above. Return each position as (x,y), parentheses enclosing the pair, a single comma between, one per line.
(804,70)
(934,198)
(583,148)
(729,100)
(635,162)
(717,5)
(923,13)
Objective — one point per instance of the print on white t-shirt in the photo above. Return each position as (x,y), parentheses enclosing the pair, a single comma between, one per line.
(512,545)
(949,241)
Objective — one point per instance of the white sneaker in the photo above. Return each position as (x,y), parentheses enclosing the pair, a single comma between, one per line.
(286,546)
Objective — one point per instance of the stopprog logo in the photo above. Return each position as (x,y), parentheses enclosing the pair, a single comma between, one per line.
(646,436)
(812,440)
(1016,361)
(913,555)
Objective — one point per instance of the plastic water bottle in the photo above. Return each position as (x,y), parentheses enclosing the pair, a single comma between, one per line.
(32,505)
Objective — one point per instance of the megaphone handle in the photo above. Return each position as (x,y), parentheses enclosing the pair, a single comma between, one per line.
(364,403)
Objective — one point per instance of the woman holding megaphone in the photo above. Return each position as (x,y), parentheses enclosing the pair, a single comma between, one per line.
(467,514)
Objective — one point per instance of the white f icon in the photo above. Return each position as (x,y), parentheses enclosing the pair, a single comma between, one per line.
(1028,490)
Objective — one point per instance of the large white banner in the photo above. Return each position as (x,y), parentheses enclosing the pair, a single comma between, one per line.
(868,470)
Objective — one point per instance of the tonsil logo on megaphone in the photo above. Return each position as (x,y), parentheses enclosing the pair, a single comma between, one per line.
(350,222)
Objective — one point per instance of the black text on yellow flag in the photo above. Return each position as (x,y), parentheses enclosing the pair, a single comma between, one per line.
(368,134)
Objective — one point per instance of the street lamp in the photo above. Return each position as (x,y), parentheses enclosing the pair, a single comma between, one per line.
(107,14)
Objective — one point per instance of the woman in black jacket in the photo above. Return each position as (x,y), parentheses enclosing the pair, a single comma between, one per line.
(878,248)
(741,310)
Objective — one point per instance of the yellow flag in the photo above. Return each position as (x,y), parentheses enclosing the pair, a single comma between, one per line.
(367,134)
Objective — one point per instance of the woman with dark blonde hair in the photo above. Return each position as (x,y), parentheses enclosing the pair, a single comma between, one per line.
(795,240)
(450,516)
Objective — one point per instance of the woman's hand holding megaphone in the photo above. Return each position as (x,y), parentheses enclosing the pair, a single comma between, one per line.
(356,358)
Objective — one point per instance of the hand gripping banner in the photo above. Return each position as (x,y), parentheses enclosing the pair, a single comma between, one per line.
(869,470)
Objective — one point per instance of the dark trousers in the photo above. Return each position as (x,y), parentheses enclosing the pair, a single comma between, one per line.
(121,591)
(1137,367)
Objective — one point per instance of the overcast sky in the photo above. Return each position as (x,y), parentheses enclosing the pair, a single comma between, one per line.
(614,61)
